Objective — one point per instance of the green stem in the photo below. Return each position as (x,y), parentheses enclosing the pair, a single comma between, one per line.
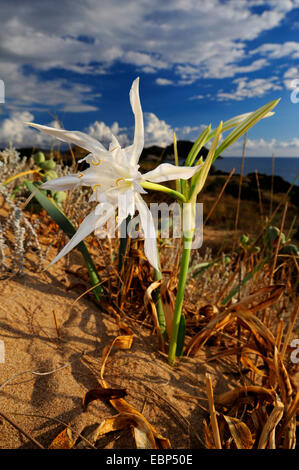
(179,299)
(159,305)
(123,245)
(163,189)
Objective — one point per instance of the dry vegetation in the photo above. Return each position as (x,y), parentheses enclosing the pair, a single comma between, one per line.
(236,385)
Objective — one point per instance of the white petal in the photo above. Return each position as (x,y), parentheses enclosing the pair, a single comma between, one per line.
(62,184)
(126,207)
(114,143)
(91,177)
(78,138)
(168,172)
(87,226)
(147,222)
(126,204)
(139,128)
(94,220)
(138,188)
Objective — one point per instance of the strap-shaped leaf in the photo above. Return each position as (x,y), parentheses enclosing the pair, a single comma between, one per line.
(245,126)
(181,337)
(197,146)
(66,225)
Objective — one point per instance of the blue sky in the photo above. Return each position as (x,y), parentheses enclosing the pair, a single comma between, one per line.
(199,61)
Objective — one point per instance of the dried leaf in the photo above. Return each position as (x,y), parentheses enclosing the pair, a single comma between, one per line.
(208,436)
(290,436)
(116,423)
(229,398)
(268,432)
(148,300)
(120,342)
(143,435)
(125,408)
(168,301)
(217,323)
(291,413)
(250,365)
(103,394)
(282,378)
(213,417)
(275,292)
(123,326)
(256,326)
(64,440)
(240,433)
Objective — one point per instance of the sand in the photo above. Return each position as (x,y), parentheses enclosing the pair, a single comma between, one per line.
(42,405)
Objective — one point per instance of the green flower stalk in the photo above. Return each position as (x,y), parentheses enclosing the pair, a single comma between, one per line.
(189,215)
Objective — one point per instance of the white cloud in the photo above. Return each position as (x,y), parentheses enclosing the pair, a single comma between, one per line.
(250,88)
(199,97)
(157,131)
(164,81)
(144,60)
(277,50)
(102,132)
(14,131)
(26,90)
(265,148)
(196,38)
(289,76)
(189,132)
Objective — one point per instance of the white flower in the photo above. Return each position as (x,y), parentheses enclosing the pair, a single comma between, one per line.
(115,179)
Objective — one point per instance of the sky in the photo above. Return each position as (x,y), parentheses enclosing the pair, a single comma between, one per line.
(71,64)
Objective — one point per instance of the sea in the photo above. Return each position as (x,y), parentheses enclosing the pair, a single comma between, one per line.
(286,167)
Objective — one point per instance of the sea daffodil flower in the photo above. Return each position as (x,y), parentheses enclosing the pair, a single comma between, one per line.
(115,179)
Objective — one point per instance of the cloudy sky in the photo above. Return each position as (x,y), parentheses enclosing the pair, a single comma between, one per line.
(199,62)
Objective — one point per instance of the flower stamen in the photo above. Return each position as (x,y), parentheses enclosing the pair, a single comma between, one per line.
(80,175)
(115,148)
(119,180)
(98,185)
(96,163)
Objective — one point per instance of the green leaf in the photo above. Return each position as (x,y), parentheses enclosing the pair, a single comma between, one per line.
(69,229)
(245,126)
(181,337)
(197,146)
(200,268)
(159,305)
(123,244)
(198,180)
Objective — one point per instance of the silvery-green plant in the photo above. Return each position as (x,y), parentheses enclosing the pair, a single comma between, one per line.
(11,163)
(3,250)
(25,236)
(48,173)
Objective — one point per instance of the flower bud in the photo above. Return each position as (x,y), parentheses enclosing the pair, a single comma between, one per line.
(39,157)
(48,165)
